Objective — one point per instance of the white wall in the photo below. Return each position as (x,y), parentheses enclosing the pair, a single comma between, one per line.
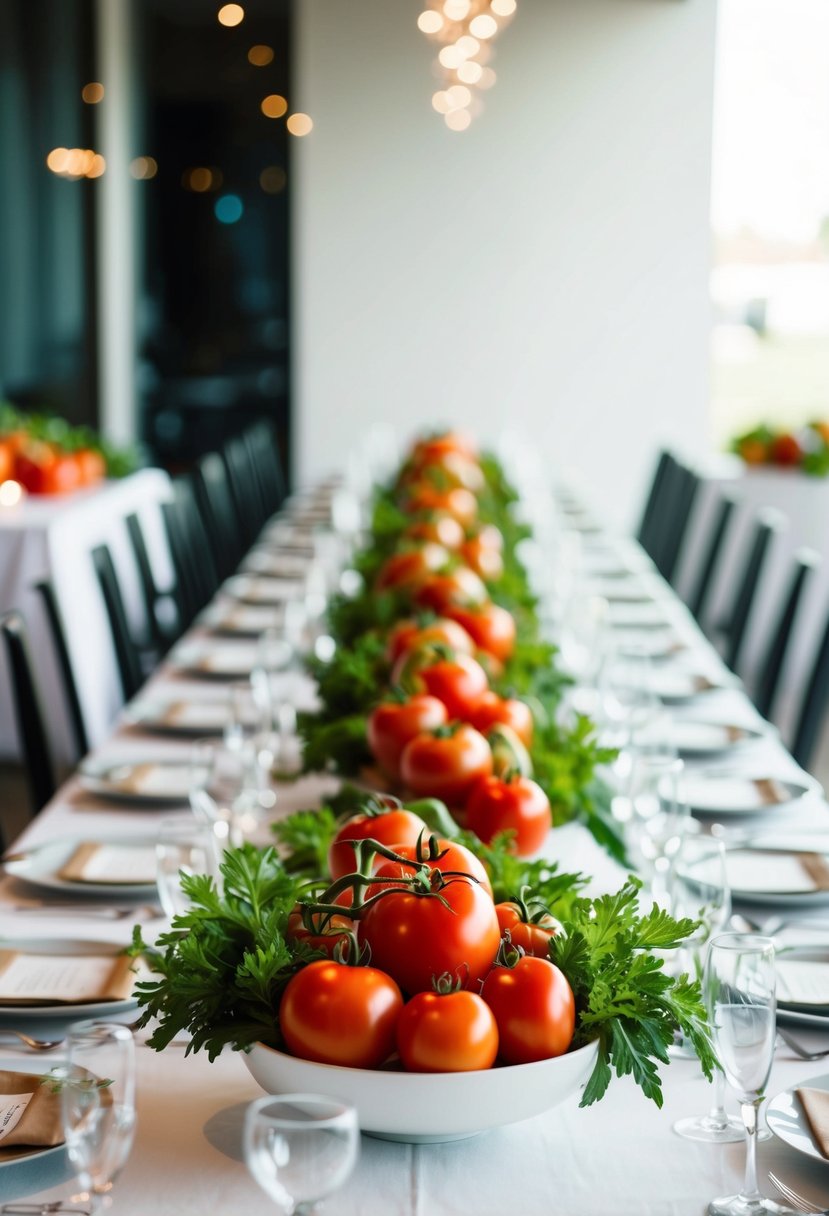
(547,268)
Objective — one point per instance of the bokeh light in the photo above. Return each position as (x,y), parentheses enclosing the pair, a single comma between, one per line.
(260,55)
(228,209)
(92,93)
(231,14)
(300,124)
(457,120)
(430,21)
(143,168)
(273,179)
(274,106)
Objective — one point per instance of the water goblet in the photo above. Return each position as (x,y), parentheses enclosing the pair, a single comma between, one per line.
(98,1104)
(183,847)
(740,993)
(228,788)
(300,1148)
(659,818)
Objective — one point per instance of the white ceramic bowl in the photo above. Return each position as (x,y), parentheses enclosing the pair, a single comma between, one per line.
(429,1107)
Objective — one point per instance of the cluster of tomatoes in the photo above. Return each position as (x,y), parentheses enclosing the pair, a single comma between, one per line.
(787,449)
(47,468)
(441,731)
(419,960)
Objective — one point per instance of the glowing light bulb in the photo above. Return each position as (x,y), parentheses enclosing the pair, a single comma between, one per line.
(230,14)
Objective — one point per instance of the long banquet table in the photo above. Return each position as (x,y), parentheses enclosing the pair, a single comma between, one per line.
(618,1157)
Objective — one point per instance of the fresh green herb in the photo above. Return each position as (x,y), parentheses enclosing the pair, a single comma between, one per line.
(623,995)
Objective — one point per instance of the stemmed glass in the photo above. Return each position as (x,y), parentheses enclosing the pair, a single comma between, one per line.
(228,788)
(659,817)
(300,1148)
(740,992)
(701,891)
(98,1104)
(187,847)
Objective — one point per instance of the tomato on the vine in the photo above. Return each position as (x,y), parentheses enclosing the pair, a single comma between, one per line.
(446,925)
(423,496)
(408,635)
(453,1031)
(440,529)
(393,723)
(453,858)
(432,449)
(534,1007)
(484,559)
(512,804)
(530,929)
(491,627)
(446,763)
(491,710)
(389,827)
(337,1014)
(322,933)
(457,680)
(459,588)
(411,567)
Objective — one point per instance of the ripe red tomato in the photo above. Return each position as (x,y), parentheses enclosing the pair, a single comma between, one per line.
(451,1032)
(431,450)
(415,936)
(454,857)
(491,710)
(534,1008)
(460,588)
(7,462)
(531,931)
(323,935)
(408,635)
(483,559)
(411,567)
(514,805)
(395,826)
(440,529)
(423,496)
(393,723)
(91,466)
(335,1014)
(786,450)
(458,681)
(446,763)
(491,627)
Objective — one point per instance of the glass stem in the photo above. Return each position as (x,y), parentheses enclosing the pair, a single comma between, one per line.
(749,1112)
(717,1117)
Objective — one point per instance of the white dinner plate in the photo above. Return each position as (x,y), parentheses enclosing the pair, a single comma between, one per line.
(676,685)
(38,1067)
(211,660)
(69,1013)
(241,620)
(42,864)
(774,879)
(741,795)
(146,782)
(649,615)
(276,564)
(695,739)
(657,644)
(262,591)
(179,717)
(786,1118)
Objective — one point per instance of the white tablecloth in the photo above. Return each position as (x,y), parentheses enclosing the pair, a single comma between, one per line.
(619,1157)
(52,538)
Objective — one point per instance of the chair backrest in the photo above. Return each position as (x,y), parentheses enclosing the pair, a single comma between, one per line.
(806,561)
(28,710)
(769,524)
(56,627)
(251,509)
(215,501)
(126,652)
(162,632)
(650,526)
(813,709)
(679,508)
(698,597)
(196,576)
(264,448)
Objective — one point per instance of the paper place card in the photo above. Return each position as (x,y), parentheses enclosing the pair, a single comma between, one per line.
(158,780)
(12,1109)
(733,793)
(269,590)
(63,979)
(111,863)
(802,982)
(227,660)
(249,620)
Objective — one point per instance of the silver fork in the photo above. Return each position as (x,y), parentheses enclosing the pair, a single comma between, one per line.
(49,1044)
(796,1200)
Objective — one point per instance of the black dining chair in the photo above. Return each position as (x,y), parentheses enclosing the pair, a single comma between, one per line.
(57,629)
(215,501)
(769,524)
(681,495)
(703,583)
(28,712)
(160,608)
(650,530)
(251,509)
(813,708)
(806,562)
(263,443)
(127,653)
(197,579)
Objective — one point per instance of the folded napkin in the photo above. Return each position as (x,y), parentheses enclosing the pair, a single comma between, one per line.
(64,979)
(30,1114)
(110,864)
(815,1103)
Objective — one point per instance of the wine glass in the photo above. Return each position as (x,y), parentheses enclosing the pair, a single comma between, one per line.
(98,1104)
(229,788)
(740,993)
(659,817)
(300,1148)
(183,847)
(701,892)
